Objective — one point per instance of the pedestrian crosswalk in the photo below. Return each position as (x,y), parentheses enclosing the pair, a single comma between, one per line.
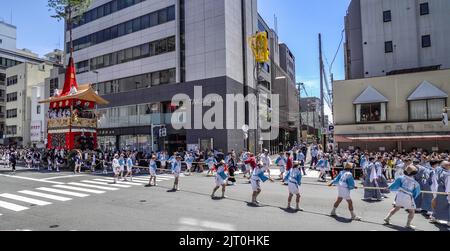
(62,192)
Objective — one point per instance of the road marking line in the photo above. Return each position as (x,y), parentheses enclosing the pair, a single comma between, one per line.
(52,190)
(63,177)
(79,189)
(146,180)
(93,186)
(31,179)
(134,181)
(118,182)
(104,183)
(44,195)
(12,207)
(25,199)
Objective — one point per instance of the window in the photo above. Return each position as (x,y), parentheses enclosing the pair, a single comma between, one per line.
(54,85)
(388,47)
(11,130)
(424,9)
(387,17)
(137,24)
(162,16)
(422,110)
(11,97)
(153,19)
(11,113)
(38,109)
(11,80)
(426,41)
(367,113)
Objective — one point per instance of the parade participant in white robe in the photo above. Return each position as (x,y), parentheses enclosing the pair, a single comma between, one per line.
(122,165)
(301,159)
(256,179)
(129,164)
(162,157)
(281,162)
(116,168)
(176,171)
(429,176)
(323,165)
(294,183)
(152,169)
(210,162)
(189,159)
(441,203)
(345,183)
(267,162)
(400,168)
(221,179)
(407,190)
(370,180)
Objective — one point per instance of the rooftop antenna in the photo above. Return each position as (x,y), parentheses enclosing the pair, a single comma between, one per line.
(275,23)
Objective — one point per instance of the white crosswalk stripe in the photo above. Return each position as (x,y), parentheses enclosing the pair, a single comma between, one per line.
(104,183)
(118,182)
(146,179)
(79,189)
(130,181)
(12,207)
(93,186)
(25,199)
(44,195)
(58,191)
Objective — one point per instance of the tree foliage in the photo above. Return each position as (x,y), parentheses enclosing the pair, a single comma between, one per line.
(64,9)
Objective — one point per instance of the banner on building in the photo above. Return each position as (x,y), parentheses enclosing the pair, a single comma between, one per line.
(36,131)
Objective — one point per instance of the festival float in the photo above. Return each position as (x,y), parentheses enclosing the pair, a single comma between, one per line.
(72,118)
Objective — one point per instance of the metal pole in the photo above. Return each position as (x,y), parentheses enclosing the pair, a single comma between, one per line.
(322,96)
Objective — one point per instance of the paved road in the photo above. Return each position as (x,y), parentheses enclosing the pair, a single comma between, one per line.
(49,201)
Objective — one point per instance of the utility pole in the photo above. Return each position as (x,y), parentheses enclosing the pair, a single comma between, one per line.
(299,85)
(322,107)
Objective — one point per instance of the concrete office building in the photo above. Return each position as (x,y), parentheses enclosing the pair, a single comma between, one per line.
(141,53)
(385,37)
(21,79)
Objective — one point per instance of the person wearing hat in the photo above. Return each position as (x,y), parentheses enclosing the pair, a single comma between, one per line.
(407,191)
(267,162)
(421,178)
(176,171)
(255,180)
(294,183)
(221,179)
(345,183)
(441,203)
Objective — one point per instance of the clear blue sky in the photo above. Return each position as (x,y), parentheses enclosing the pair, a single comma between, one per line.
(299,22)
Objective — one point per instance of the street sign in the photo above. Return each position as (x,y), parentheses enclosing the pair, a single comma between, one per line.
(331,128)
(163,132)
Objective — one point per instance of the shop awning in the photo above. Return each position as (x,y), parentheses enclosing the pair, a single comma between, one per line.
(426,90)
(370,95)
(350,139)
